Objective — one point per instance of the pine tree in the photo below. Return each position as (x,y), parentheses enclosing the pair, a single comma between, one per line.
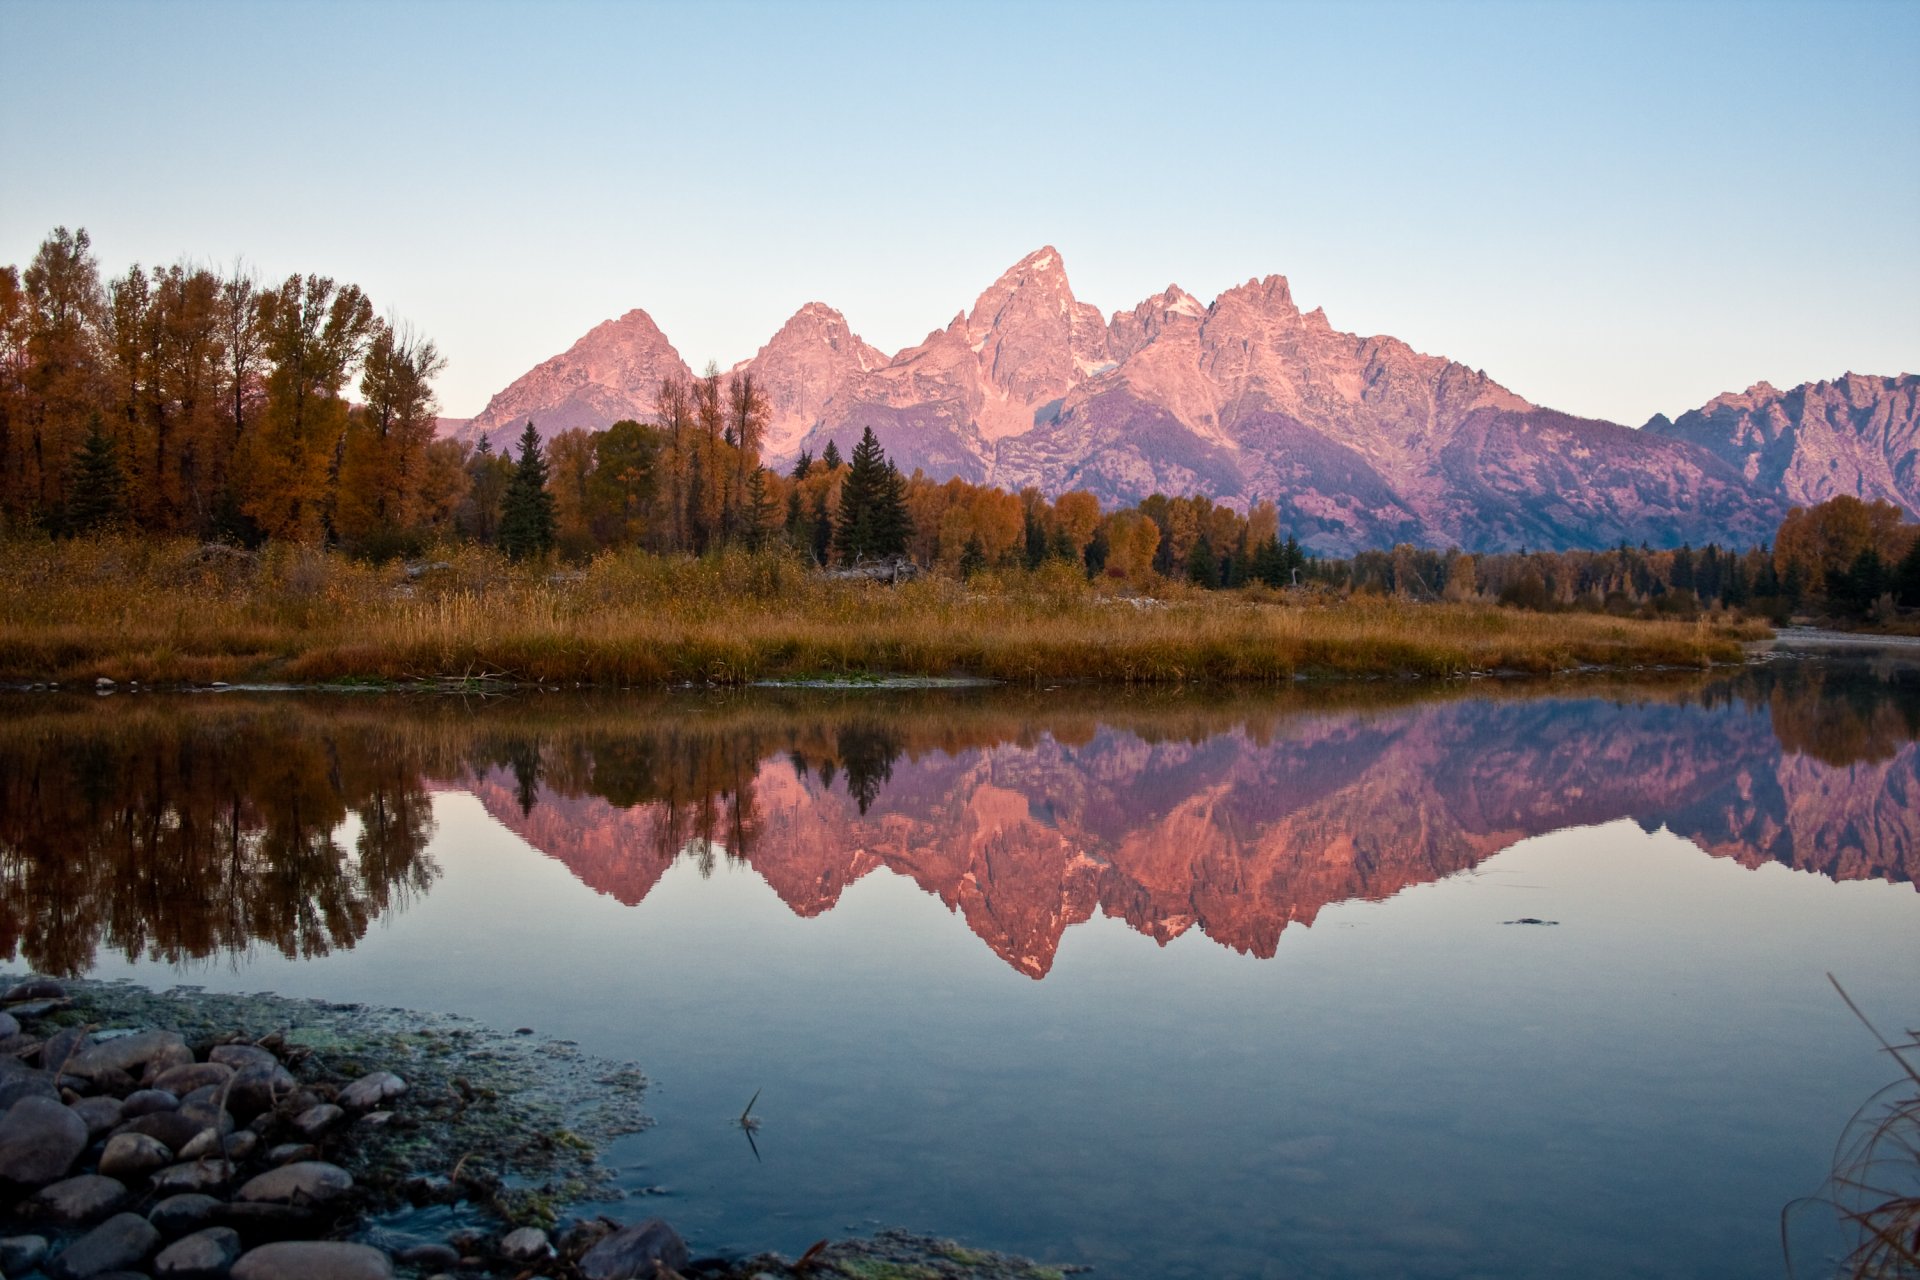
(1201,568)
(830,456)
(803,464)
(97,494)
(760,508)
(873,506)
(1906,578)
(526,514)
(973,557)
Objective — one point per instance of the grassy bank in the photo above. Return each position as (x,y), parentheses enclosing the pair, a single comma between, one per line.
(162,612)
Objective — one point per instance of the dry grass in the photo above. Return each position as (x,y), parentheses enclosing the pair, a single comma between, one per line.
(173,612)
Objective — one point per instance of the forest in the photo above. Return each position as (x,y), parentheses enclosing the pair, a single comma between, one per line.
(200,404)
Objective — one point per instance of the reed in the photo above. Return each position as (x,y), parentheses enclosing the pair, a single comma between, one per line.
(178,612)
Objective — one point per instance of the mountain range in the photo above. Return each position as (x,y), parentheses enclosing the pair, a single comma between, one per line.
(1360,441)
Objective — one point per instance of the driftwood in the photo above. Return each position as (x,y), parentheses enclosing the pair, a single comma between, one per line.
(890,570)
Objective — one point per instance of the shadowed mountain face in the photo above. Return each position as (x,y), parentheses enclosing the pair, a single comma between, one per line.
(1361,441)
(186,829)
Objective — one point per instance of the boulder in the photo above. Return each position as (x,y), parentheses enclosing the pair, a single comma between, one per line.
(39,1141)
(204,1255)
(178,1215)
(130,1157)
(124,1240)
(73,1202)
(303,1182)
(637,1252)
(370,1090)
(313,1260)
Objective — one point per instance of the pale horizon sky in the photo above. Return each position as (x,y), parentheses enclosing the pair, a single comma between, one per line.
(1614,209)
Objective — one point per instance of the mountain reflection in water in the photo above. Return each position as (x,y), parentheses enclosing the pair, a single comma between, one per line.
(176,828)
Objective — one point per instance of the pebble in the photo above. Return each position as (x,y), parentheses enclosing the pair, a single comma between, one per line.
(526,1246)
(73,1202)
(22,1253)
(122,1241)
(303,1182)
(204,1255)
(177,1215)
(315,1121)
(313,1260)
(631,1252)
(39,1141)
(132,1156)
(372,1089)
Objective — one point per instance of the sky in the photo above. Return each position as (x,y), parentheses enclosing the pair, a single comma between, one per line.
(1613,209)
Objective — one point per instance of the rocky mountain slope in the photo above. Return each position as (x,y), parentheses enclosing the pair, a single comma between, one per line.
(1361,441)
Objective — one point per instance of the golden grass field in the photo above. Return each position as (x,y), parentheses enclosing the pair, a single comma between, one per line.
(164,612)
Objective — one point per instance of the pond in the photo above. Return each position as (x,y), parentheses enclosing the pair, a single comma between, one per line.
(1371,979)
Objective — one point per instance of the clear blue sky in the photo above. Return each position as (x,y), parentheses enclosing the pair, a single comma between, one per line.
(1615,209)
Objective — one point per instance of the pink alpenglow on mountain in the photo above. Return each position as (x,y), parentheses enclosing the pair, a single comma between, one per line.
(1360,441)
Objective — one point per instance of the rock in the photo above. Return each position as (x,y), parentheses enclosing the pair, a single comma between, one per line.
(101,1115)
(145,1102)
(303,1182)
(123,1240)
(374,1120)
(34,989)
(236,1056)
(128,1053)
(429,1257)
(73,1202)
(39,1141)
(370,1090)
(288,1152)
(239,1146)
(17,1082)
(258,1087)
(634,1252)
(177,1215)
(526,1246)
(315,1121)
(183,1080)
(38,1008)
(204,1255)
(313,1260)
(9,1026)
(175,1128)
(131,1157)
(20,1254)
(270,1221)
(194,1177)
(63,1046)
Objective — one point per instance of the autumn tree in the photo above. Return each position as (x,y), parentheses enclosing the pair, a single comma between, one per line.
(65,312)
(383,460)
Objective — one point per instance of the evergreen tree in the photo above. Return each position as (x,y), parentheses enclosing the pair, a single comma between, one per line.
(1269,563)
(760,508)
(873,506)
(526,513)
(830,456)
(973,557)
(1906,578)
(97,494)
(803,464)
(1202,571)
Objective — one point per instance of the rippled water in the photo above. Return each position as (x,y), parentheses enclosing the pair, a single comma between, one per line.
(1183,986)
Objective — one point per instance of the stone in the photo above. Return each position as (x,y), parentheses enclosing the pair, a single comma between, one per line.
(257,1087)
(184,1079)
(20,1254)
(429,1257)
(190,1178)
(288,1152)
(370,1090)
(63,1046)
(374,1120)
(177,1215)
(9,1026)
(124,1240)
(39,1141)
(131,1157)
(145,1102)
(101,1115)
(303,1182)
(38,1008)
(34,989)
(313,1260)
(526,1246)
(270,1221)
(236,1056)
(128,1053)
(634,1252)
(17,1082)
(175,1128)
(239,1146)
(73,1202)
(204,1255)
(315,1121)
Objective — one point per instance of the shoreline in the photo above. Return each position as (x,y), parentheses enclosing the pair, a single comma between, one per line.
(532,1118)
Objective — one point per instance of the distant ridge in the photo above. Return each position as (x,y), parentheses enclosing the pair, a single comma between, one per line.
(1361,441)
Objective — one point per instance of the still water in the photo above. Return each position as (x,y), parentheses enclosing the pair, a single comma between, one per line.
(1174,986)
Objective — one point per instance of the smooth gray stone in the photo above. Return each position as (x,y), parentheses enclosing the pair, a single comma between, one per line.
(194,1177)
(9,1025)
(20,1254)
(183,1080)
(64,1046)
(132,1156)
(17,1082)
(73,1202)
(313,1260)
(288,1152)
(177,1215)
(372,1089)
(242,1055)
(34,989)
(635,1251)
(39,1141)
(527,1245)
(257,1087)
(315,1121)
(303,1182)
(204,1255)
(126,1053)
(146,1102)
(124,1240)
(240,1146)
(101,1115)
